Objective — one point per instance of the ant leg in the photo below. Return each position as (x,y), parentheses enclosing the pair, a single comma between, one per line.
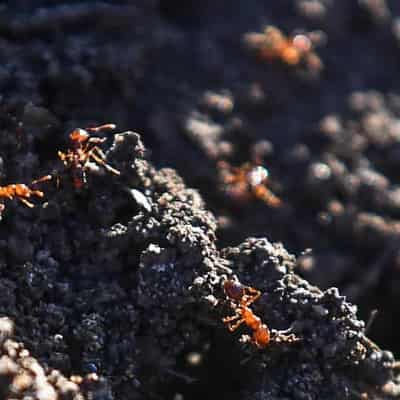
(96,140)
(102,127)
(103,163)
(86,149)
(235,325)
(96,157)
(233,321)
(264,194)
(91,145)
(37,193)
(62,156)
(251,297)
(26,202)
(231,318)
(99,152)
(42,179)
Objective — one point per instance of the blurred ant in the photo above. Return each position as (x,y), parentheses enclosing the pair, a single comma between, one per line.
(85,149)
(273,44)
(243,297)
(22,192)
(247,181)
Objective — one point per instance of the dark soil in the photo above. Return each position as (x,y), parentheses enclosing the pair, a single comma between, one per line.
(120,282)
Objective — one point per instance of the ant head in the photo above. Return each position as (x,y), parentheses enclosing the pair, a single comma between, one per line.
(233,289)
(79,135)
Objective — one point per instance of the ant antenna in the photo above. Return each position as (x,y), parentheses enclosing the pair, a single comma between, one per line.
(371,320)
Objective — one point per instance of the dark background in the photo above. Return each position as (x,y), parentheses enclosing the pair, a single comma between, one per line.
(148,65)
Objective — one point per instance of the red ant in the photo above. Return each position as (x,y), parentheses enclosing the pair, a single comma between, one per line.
(273,44)
(84,150)
(248,180)
(22,192)
(244,296)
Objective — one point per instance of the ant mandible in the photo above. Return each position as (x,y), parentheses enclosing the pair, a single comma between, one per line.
(84,149)
(22,192)
(245,296)
(248,180)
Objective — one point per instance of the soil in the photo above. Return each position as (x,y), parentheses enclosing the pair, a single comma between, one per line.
(114,290)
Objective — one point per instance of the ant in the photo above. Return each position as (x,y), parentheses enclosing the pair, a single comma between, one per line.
(248,180)
(85,149)
(22,192)
(244,296)
(273,44)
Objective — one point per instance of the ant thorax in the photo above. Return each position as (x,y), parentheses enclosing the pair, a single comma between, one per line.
(257,175)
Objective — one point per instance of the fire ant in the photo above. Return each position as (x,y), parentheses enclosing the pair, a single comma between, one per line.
(22,192)
(243,297)
(85,149)
(248,180)
(273,44)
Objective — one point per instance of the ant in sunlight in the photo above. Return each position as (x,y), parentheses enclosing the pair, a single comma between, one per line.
(273,44)
(85,149)
(22,192)
(243,297)
(246,182)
